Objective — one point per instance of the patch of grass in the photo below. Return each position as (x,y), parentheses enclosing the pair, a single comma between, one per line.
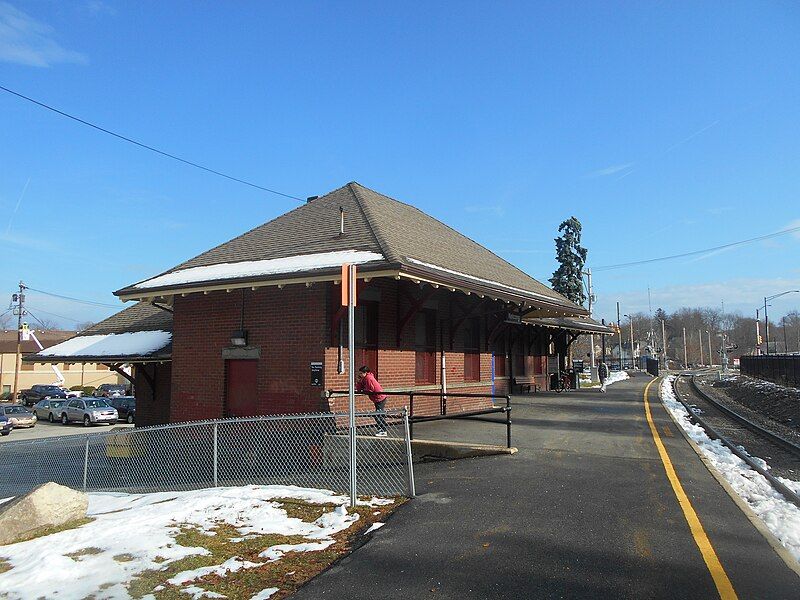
(124,558)
(91,550)
(288,573)
(5,566)
(305,511)
(43,531)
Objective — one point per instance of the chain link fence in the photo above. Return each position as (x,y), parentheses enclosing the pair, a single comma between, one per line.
(308,450)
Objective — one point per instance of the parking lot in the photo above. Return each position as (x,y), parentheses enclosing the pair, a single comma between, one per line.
(45,429)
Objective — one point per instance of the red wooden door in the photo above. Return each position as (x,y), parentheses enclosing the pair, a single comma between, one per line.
(241,388)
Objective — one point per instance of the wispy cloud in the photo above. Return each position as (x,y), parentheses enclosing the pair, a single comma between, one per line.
(494,209)
(792,225)
(612,170)
(26,41)
(16,208)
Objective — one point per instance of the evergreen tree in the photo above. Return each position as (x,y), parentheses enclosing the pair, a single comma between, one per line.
(572,257)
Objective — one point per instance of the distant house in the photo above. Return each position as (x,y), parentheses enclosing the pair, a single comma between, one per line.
(32,372)
(256,326)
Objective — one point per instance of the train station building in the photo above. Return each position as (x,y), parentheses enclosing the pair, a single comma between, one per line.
(255,325)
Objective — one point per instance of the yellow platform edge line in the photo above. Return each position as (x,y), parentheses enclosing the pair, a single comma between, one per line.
(718,574)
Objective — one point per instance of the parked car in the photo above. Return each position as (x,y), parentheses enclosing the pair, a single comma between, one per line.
(90,411)
(126,407)
(49,409)
(108,390)
(40,392)
(19,415)
(5,425)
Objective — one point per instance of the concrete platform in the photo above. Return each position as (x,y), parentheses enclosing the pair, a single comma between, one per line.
(584,510)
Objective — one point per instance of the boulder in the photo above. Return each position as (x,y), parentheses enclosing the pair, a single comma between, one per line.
(48,505)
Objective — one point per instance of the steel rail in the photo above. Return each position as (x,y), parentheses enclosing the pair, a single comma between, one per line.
(780,487)
(755,428)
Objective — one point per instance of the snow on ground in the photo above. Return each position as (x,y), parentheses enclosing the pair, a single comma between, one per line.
(780,516)
(142,527)
(138,343)
(271,266)
(616,376)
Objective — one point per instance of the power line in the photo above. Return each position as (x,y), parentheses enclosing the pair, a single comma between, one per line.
(696,252)
(89,302)
(28,311)
(147,147)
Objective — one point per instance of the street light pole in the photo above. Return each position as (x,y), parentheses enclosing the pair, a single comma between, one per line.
(700,339)
(633,361)
(685,353)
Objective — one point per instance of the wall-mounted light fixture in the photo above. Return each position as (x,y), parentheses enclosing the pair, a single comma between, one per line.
(239,338)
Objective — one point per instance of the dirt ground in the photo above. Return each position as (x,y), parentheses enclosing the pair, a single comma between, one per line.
(767,400)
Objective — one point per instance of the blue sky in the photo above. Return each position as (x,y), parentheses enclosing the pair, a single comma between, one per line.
(664,127)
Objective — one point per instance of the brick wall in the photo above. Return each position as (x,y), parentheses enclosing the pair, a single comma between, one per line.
(288,326)
(153,408)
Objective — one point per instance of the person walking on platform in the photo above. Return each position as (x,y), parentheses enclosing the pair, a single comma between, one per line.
(370,386)
(602,373)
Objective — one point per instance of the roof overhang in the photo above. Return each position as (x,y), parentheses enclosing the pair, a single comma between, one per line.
(104,360)
(585,325)
(537,305)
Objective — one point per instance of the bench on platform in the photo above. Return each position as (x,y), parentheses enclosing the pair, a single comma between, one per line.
(526,384)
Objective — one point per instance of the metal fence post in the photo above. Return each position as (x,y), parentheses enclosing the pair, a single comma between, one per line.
(216,455)
(411,489)
(411,425)
(508,421)
(85,462)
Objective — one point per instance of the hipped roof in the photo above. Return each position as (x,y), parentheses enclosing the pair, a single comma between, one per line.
(136,319)
(397,239)
(8,340)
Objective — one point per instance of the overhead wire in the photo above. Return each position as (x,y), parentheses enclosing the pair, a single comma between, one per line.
(147,146)
(89,302)
(697,252)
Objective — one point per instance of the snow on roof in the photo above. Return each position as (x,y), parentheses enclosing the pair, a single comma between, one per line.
(489,282)
(253,268)
(139,343)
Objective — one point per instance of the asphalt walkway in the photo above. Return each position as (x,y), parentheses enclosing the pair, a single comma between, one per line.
(584,510)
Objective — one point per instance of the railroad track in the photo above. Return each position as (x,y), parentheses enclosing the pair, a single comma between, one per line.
(736,431)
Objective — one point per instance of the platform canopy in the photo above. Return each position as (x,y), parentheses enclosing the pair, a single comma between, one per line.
(576,324)
(137,334)
(353,224)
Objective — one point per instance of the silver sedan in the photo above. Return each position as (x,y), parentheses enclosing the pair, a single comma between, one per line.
(89,411)
(49,409)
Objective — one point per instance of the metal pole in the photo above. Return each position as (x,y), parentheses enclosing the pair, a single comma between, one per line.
(664,342)
(758,335)
(619,335)
(710,356)
(411,423)
(412,492)
(85,462)
(351,379)
(766,324)
(785,343)
(508,421)
(216,456)
(685,352)
(633,358)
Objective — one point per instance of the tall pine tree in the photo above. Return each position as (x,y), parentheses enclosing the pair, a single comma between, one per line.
(572,257)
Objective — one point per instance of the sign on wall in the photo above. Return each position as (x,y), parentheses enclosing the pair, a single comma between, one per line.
(316,373)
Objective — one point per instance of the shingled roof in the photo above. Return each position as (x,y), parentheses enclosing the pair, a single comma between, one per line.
(582,324)
(139,333)
(383,235)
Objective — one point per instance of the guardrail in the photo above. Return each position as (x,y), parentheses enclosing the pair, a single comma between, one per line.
(308,450)
(438,411)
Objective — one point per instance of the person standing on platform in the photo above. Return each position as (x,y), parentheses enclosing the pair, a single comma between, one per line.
(370,386)
(602,373)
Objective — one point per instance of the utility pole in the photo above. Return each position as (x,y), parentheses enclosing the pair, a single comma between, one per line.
(758,334)
(590,291)
(685,353)
(700,339)
(710,356)
(664,342)
(785,343)
(19,298)
(633,358)
(619,334)
(766,324)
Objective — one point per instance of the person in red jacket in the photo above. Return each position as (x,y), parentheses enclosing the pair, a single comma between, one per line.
(369,385)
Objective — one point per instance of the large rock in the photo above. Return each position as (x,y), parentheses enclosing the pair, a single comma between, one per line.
(48,505)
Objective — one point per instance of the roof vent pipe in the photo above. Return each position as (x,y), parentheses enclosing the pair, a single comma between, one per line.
(310,198)
(341,220)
